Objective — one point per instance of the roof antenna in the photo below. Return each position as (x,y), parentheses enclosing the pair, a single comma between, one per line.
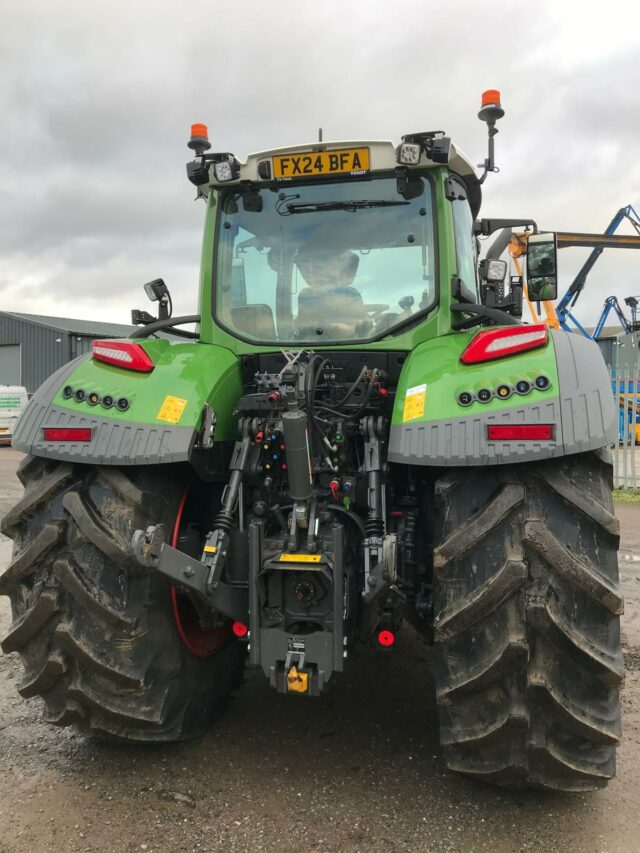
(319,134)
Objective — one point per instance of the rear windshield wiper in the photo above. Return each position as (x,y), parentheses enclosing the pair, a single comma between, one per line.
(352,206)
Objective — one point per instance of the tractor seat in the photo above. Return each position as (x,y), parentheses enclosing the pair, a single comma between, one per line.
(255,320)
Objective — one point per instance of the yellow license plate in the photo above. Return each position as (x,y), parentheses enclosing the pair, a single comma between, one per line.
(347,161)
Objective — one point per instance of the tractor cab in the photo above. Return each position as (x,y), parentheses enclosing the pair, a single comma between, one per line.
(334,242)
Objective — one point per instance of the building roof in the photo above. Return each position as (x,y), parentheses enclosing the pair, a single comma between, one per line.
(91,328)
(607,332)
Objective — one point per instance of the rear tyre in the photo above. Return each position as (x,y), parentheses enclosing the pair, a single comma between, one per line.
(96,632)
(527,636)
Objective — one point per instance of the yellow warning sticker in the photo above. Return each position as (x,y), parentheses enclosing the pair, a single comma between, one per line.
(300,558)
(171,410)
(210,549)
(414,402)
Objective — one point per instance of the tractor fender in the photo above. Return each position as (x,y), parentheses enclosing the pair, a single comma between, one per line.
(164,407)
(430,426)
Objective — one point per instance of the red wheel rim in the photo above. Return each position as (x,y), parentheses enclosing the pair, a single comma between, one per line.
(201,642)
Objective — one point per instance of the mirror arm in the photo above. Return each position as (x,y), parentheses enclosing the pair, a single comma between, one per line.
(485,227)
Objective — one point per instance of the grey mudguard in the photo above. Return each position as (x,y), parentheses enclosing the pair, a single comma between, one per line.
(584,415)
(588,409)
(113,442)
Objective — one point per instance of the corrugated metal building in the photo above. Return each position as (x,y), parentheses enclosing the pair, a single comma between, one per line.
(33,347)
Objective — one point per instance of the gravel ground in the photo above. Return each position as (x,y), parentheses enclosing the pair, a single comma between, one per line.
(359,769)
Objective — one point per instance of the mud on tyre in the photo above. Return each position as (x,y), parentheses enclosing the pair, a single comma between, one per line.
(95,631)
(528,656)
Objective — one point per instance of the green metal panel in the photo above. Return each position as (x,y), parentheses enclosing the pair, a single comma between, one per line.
(196,373)
(437,364)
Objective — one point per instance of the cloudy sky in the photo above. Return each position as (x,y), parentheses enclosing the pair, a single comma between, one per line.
(96,101)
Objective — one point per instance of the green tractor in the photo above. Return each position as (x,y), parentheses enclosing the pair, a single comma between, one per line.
(361,432)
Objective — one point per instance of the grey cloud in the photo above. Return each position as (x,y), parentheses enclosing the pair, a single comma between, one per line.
(93,195)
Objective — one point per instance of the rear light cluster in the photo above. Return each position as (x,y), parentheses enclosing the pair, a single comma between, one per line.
(67,433)
(504,391)
(520,432)
(125,354)
(93,398)
(500,343)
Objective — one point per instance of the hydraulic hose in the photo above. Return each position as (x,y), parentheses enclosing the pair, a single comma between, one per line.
(146,331)
(351,516)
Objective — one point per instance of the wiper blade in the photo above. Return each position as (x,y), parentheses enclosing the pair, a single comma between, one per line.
(351,206)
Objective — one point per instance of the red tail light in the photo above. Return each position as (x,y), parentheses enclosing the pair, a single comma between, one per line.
(386,638)
(520,432)
(240,629)
(67,434)
(499,343)
(123,354)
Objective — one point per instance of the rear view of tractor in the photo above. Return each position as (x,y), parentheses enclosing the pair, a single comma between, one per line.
(360,432)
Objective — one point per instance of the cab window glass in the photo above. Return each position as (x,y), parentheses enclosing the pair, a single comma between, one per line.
(327,262)
(465,244)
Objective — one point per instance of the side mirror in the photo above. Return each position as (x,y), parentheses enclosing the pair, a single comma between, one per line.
(542,267)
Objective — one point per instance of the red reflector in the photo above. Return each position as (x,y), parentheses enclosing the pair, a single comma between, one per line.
(386,638)
(498,343)
(239,629)
(515,432)
(123,354)
(67,434)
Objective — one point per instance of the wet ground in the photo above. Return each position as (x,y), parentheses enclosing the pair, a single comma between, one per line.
(359,769)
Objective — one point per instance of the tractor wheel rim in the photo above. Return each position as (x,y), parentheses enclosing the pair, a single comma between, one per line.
(201,642)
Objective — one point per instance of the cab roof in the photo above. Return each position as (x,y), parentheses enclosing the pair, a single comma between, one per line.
(382,157)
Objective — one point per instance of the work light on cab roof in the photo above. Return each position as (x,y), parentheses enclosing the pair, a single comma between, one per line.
(225,166)
(322,160)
